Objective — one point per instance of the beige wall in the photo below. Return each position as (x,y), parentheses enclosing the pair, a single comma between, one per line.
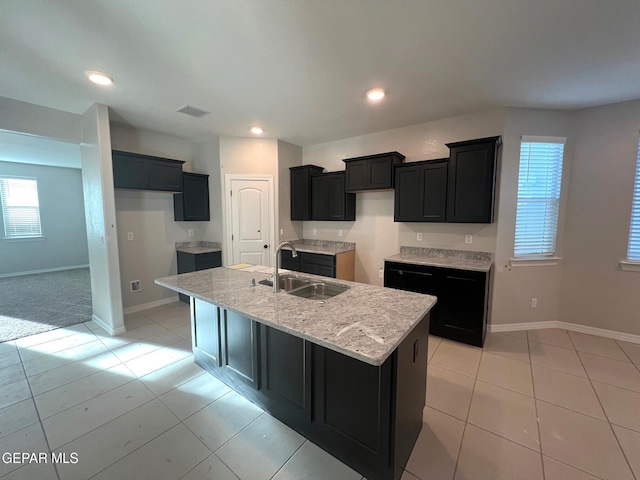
(375,233)
(149,216)
(595,292)
(206,159)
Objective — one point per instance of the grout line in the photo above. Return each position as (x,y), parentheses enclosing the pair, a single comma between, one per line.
(535,406)
(290,457)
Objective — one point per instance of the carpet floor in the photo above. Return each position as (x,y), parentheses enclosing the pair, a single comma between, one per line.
(31,304)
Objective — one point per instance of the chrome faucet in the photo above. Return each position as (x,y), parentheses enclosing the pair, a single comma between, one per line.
(276,283)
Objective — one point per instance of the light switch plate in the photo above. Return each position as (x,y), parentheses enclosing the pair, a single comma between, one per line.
(419,237)
(190,232)
(339,233)
(315,232)
(381,273)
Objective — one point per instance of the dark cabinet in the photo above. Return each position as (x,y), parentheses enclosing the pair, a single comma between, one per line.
(329,201)
(471,180)
(463,298)
(366,416)
(192,205)
(373,172)
(314,263)
(193,262)
(144,172)
(301,190)
(421,191)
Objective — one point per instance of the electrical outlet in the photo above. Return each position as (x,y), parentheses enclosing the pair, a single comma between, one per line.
(381,273)
(135,285)
(190,231)
(419,237)
(468,239)
(534,302)
(339,233)
(129,235)
(315,232)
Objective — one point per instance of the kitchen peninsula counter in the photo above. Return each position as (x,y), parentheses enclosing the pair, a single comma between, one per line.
(347,372)
(366,322)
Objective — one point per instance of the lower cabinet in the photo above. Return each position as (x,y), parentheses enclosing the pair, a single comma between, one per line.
(366,416)
(463,298)
(193,262)
(341,265)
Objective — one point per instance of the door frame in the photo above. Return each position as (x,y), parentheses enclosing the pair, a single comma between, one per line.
(228,177)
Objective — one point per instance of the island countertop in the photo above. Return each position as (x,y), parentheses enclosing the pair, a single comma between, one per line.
(366,322)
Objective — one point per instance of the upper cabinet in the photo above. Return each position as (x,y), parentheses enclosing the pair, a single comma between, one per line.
(421,191)
(192,205)
(301,190)
(373,172)
(472,180)
(144,172)
(460,189)
(329,201)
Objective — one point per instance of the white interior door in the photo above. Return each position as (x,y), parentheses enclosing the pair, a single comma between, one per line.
(250,221)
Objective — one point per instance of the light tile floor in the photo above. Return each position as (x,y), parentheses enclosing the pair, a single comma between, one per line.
(543,404)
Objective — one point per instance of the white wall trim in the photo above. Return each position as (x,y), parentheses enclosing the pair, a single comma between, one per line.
(44,270)
(156,303)
(574,327)
(107,328)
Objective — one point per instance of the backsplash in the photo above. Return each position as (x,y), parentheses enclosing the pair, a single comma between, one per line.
(199,243)
(444,253)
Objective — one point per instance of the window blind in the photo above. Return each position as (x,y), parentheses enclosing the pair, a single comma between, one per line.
(20,207)
(539,182)
(633,253)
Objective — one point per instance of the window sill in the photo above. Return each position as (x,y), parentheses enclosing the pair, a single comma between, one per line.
(23,239)
(535,261)
(630,266)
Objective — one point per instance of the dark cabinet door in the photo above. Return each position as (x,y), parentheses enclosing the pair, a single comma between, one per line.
(420,193)
(130,171)
(192,204)
(471,180)
(434,195)
(329,199)
(301,191)
(288,261)
(373,172)
(207,333)
(462,306)
(286,373)
(239,348)
(144,172)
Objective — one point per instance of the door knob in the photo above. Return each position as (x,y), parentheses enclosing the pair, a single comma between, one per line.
(266,246)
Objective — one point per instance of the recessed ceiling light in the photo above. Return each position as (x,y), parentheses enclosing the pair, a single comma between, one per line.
(375,94)
(100,78)
(256,130)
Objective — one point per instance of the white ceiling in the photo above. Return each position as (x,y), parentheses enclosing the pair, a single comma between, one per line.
(300,68)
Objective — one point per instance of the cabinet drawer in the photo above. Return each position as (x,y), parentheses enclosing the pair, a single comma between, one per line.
(318,259)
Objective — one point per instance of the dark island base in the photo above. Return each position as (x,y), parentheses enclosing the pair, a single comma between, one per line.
(368,417)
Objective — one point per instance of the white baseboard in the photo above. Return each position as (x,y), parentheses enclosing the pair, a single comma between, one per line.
(157,303)
(44,270)
(108,328)
(574,327)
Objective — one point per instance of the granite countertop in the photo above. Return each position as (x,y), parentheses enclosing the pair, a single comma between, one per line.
(198,247)
(366,322)
(437,257)
(325,247)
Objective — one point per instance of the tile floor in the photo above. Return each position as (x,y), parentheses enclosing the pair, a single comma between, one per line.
(543,404)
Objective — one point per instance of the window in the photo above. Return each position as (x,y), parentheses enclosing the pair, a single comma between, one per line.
(20,207)
(539,182)
(633,252)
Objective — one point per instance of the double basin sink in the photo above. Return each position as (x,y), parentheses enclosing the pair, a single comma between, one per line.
(307,287)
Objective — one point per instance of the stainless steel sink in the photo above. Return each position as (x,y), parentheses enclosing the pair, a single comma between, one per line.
(288,282)
(319,290)
(306,287)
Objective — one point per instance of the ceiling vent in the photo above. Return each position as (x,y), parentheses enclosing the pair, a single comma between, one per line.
(193,111)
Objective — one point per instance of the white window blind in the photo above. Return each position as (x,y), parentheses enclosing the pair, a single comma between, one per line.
(539,183)
(633,253)
(20,207)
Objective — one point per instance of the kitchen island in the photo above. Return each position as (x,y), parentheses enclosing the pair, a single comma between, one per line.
(347,372)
